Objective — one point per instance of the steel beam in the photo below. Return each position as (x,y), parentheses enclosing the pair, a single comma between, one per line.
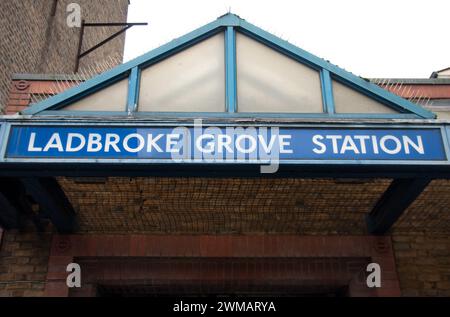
(14,206)
(397,198)
(9,214)
(52,201)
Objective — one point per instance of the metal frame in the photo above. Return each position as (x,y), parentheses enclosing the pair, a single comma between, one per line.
(327,92)
(262,115)
(133,89)
(230,24)
(230,70)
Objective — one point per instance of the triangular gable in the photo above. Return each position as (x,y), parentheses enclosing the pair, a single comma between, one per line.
(342,94)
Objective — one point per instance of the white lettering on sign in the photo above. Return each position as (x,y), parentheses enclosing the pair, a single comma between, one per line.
(140,143)
(94,142)
(54,143)
(224,143)
(151,143)
(111,142)
(284,143)
(240,143)
(360,144)
(207,143)
(172,142)
(233,143)
(69,145)
(31,146)
(268,146)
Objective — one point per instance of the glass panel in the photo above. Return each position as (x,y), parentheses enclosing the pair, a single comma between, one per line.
(268,81)
(111,98)
(347,100)
(442,114)
(190,81)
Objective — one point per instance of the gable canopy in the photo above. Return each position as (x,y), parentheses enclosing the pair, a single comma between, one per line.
(229,67)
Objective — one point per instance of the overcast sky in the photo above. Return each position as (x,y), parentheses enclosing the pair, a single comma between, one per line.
(382,38)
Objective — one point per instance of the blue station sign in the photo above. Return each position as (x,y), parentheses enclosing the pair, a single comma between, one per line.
(212,144)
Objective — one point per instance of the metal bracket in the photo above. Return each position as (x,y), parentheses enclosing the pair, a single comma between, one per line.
(84,25)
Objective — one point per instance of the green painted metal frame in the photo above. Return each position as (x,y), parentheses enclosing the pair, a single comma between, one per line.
(230,24)
(230,70)
(133,89)
(327,92)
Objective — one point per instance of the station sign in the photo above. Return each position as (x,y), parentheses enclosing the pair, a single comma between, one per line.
(234,144)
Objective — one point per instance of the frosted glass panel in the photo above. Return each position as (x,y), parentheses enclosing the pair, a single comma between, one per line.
(268,81)
(192,80)
(347,100)
(112,98)
(442,114)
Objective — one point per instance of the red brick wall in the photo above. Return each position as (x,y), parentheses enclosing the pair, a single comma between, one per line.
(21,92)
(197,276)
(422,261)
(66,249)
(436,91)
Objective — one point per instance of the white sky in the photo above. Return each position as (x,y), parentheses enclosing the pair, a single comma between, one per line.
(371,38)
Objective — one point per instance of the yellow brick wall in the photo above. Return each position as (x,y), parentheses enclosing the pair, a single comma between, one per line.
(223,205)
(23,262)
(35,41)
(423,263)
(429,212)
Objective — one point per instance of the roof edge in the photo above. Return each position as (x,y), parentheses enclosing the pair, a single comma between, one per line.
(412,81)
(46,77)
(193,37)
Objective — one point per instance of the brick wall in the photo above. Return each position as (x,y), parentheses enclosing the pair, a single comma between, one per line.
(429,212)
(286,260)
(35,41)
(223,205)
(421,243)
(423,263)
(158,205)
(23,263)
(187,276)
(22,91)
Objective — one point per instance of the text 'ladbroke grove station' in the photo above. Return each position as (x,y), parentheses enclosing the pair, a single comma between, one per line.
(225,143)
